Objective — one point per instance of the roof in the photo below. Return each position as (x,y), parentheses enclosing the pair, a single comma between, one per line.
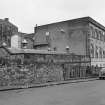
(39,41)
(3,21)
(28,36)
(40,44)
(21,33)
(32,51)
(14,51)
(85,19)
(31,35)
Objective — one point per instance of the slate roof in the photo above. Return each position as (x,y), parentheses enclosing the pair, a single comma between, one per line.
(31,35)
(28,36)
(38,40)
(40,43)
(2,21)
(85,19)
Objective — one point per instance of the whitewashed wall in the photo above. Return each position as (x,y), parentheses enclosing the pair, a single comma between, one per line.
(16,41)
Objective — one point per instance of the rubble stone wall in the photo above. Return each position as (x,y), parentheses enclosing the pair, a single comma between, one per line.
(41,69)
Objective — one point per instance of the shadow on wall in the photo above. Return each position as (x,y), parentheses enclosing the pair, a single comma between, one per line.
(77,42)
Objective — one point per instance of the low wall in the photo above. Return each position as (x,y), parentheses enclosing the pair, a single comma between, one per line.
(37,72)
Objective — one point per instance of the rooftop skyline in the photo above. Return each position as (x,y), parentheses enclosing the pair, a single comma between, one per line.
(27,13)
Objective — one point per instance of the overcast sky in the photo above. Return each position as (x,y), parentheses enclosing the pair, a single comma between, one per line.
(26,13)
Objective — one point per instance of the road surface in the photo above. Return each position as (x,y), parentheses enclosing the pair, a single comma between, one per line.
(84,93)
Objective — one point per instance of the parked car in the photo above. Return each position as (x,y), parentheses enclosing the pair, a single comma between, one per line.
(102,73)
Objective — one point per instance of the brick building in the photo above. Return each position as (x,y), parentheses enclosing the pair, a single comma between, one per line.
(82,36)
(7,29)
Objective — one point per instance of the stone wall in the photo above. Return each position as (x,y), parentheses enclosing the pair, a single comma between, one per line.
(62,34)
(43,68)
(38,73)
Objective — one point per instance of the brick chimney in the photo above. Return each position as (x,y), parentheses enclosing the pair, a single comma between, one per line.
(35,29)
(6,19)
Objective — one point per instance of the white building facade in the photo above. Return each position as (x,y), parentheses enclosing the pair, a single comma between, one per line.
(16,41)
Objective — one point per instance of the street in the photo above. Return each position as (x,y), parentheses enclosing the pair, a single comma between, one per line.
(83,93)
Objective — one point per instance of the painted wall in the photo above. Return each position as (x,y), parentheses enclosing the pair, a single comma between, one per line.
(16,41)
(64,34)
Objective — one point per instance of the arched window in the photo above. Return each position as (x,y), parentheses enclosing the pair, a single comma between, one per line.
(96,52)
(92,50)
(103,54)
(100,52)
(97,34)
(92,32)
(101,35)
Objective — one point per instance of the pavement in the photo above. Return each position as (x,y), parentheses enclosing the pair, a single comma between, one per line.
(47,84)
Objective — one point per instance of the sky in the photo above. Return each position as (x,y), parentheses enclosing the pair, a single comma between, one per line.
(27,13)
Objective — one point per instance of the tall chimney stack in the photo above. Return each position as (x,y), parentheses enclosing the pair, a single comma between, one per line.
(35,29)
(6,19)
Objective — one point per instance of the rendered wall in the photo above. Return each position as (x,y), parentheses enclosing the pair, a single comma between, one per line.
(16,41)
(64,34)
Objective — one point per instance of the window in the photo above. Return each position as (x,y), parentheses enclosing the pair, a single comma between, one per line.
(97,34)
(96,52)
(92,50)
(104,37)
(91,29)
(92,32)
(103,54)
(100,52)
(101,35)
